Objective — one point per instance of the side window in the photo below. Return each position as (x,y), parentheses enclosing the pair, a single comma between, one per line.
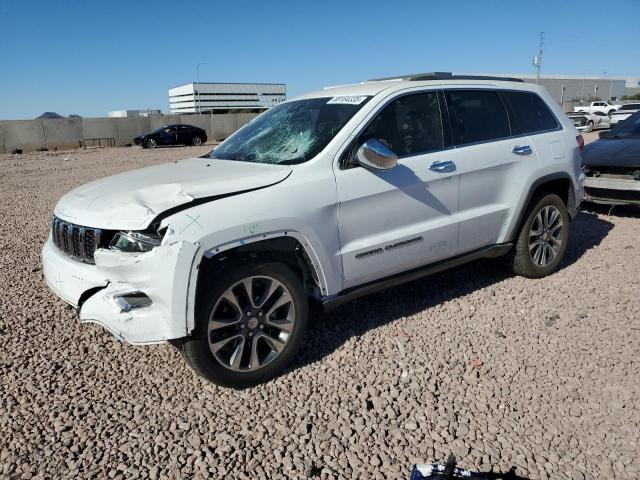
(528,113)
(476,116)
(409,125)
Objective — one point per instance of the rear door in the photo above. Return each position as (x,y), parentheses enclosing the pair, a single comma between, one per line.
(394,220)
(494,167)
(185,133)
(531,118)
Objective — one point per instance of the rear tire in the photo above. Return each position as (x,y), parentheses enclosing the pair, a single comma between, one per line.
(542,239)
(232,325)
(610,112)
(195,141)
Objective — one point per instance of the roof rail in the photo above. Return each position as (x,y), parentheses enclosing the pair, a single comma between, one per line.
(416,77)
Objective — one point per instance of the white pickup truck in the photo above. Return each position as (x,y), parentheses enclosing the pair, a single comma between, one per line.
(603,107)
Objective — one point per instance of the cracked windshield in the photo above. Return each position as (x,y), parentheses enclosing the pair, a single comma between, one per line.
(293,132)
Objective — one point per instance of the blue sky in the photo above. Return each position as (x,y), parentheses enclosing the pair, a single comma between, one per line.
(89,57)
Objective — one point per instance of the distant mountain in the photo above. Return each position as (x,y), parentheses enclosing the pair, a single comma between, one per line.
(49,116)
(74,116)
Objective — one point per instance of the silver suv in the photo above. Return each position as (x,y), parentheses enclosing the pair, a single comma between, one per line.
(321,199)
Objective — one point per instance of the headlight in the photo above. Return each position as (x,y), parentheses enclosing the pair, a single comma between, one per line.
(135,242)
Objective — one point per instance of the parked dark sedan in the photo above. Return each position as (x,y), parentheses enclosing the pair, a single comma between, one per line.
(612,165)
(172,135)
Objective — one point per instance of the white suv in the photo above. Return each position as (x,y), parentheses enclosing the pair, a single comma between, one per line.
(324,198)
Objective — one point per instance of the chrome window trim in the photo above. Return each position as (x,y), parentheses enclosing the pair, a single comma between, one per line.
(558,128)
(378,110)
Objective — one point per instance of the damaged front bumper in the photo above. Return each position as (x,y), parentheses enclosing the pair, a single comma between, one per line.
(162,275)
(612,191)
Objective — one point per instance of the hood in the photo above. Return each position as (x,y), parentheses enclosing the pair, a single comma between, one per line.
(131,200)
(612,153)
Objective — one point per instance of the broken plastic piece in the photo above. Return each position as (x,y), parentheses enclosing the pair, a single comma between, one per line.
(132,301)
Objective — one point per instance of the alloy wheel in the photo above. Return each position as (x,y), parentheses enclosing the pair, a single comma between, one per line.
(251,323)
(546,236)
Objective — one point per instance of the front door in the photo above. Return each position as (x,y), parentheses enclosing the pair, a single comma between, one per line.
(167,136)
(394,220)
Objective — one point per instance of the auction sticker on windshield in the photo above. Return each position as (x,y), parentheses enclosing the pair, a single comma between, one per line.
(350,100)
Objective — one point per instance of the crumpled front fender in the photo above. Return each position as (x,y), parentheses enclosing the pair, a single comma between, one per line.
(162,274)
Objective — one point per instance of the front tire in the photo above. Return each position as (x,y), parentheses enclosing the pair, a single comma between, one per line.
(589,126)
(150,143)
(195,141)
(611,112)
(250,325)
(542,239)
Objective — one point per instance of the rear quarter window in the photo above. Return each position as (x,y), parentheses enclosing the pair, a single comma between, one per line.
(528,113)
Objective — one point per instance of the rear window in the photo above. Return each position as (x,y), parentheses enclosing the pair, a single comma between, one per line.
(476,116)
(528,113)
(631,106)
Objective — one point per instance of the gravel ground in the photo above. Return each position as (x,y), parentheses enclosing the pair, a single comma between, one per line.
(540,375)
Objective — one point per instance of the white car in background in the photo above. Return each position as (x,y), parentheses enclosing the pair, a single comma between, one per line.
(604,107)
(624,112)
(327,197)
(587,122)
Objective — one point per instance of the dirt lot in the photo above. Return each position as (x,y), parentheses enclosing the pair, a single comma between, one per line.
(540,375)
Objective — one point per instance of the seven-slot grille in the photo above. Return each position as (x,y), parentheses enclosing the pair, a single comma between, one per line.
(78,242)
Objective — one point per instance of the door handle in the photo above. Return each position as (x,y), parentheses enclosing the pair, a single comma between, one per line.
(523,150)
(443,167)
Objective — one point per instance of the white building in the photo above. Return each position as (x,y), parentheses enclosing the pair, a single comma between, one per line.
(566,88)
(134,113)
(206,97)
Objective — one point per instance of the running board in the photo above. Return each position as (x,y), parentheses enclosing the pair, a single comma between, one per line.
(352,293)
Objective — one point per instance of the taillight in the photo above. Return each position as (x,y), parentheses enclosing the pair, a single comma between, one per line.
(580,141)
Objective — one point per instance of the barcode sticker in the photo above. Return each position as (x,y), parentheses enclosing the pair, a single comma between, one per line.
(349,100)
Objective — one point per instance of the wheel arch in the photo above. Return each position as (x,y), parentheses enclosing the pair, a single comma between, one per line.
(559,183)
(288,247)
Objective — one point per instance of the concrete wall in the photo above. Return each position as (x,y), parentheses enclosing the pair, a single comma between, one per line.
(27,135)
(63,133)
(58,134)
(157,121)
(99,128)
(223,125)
(129,128)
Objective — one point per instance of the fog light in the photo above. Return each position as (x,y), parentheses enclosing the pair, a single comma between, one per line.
(132,301)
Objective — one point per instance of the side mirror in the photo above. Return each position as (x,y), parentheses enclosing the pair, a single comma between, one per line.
(374,154)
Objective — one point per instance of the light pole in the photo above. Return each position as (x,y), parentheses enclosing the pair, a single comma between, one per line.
(198,84)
